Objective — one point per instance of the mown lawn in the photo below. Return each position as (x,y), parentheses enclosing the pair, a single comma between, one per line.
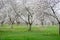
(20,32)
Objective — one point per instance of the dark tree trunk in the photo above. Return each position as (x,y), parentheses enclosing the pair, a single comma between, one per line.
(59,28)
(52,23)
(12,22)
(29,27)
(42,23)
(2,23)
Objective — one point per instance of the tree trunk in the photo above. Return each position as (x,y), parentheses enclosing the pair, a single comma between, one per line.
(12,25)
(52,23)
(59,28)
(29,27)
(42,23)
(2,23)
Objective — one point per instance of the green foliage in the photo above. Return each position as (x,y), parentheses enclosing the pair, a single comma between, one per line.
(20,32)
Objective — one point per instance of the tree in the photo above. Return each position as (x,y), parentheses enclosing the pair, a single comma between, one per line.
(40,7)
(28,16)
(40,17)
(29,21)
(2,13)
(51,6)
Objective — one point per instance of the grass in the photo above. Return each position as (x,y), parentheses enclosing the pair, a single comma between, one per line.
(19,32)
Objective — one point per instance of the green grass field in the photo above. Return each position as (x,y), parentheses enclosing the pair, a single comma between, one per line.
(20,32)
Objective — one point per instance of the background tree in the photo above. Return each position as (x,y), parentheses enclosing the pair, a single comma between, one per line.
(51,4)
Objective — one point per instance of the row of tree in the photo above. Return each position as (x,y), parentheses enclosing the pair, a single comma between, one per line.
(28,12)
